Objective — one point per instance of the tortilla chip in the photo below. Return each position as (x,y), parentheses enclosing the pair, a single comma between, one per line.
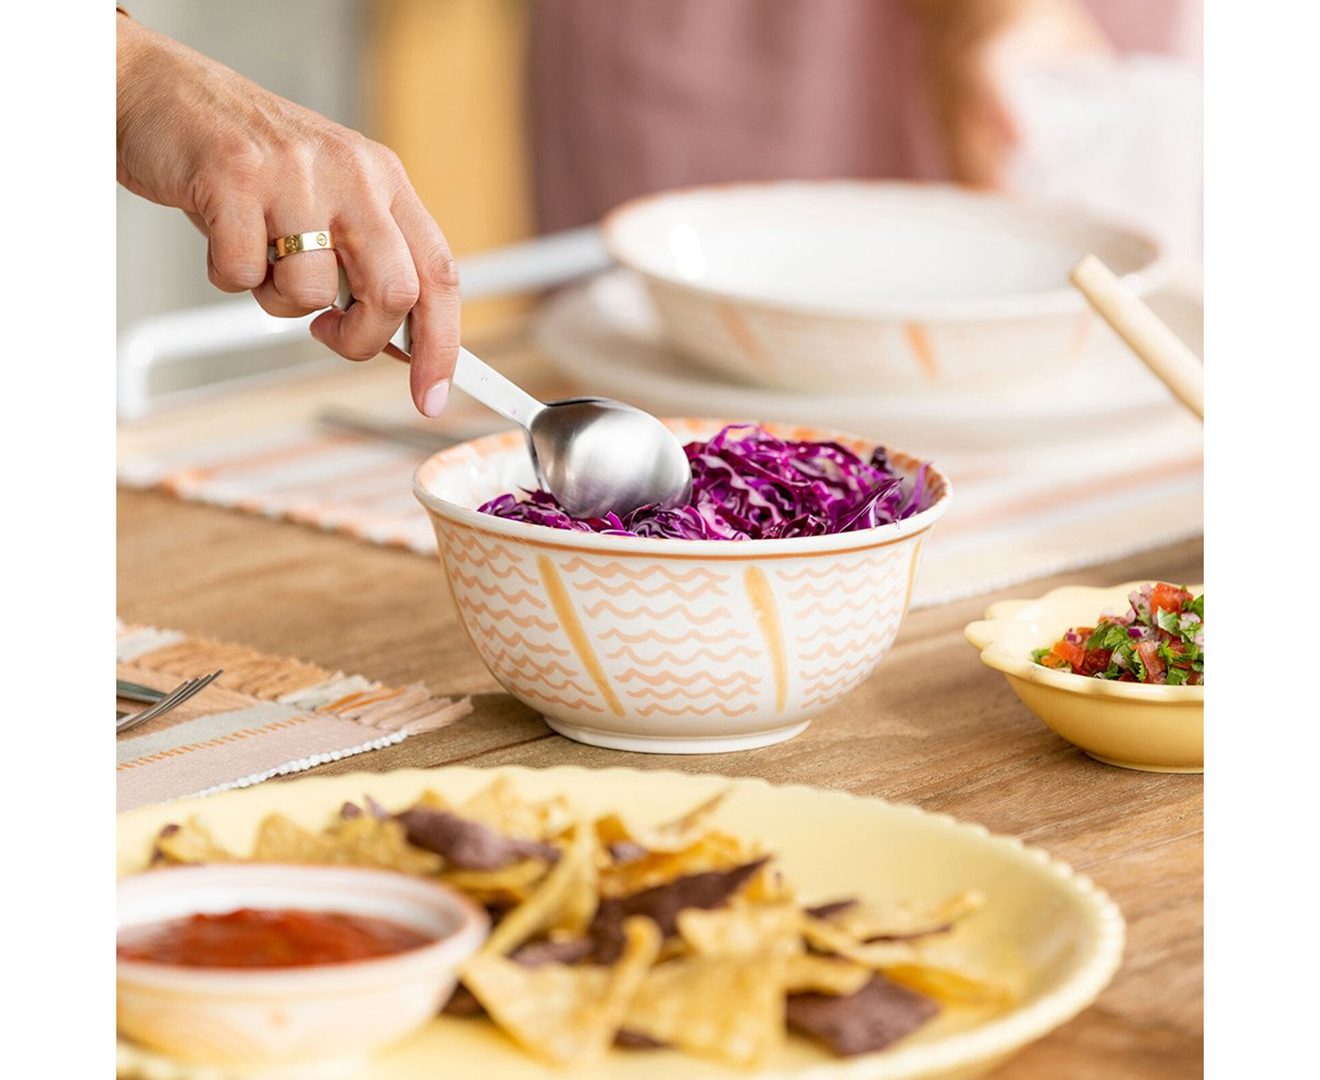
(190,842)
(500,809)
(712,851)
(741,931)
(959,977)
(359,841)
(833,975)
(564,1014)
(499,888)
(469,845)
(728,1007)
(559,899)
(932,967)
(670,836)
(663,903)
(825,937)
(553,950)
(279,839)
(904,919)
(876,1016)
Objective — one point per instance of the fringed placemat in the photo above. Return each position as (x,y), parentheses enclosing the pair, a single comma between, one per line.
(1018,512)
(265,716)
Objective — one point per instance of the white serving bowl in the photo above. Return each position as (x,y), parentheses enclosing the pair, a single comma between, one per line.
(827,286)
(669,646)
(316,1020)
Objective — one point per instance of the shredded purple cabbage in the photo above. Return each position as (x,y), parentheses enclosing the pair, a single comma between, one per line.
(752,487)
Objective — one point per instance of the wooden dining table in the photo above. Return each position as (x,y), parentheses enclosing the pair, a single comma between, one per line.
(932,727)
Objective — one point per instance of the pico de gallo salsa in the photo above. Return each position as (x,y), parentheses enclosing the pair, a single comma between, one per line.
(1160,639)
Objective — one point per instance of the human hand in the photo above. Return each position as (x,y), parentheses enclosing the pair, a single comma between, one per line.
(973,49)
(247,166)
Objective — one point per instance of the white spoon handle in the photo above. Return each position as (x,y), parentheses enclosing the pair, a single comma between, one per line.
(483,382)
(1162,350)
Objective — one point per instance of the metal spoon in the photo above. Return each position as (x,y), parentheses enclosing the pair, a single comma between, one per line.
(594,455)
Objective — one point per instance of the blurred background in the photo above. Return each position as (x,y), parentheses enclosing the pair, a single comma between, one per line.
(443,82)
(919,314)
(465,91)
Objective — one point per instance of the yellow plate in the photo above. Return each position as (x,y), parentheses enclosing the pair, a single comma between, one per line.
(1066,932)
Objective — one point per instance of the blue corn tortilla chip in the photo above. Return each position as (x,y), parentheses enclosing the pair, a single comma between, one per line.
(469,845)
(545,951)
(824,911)
(662,903)
(878,1015)
(635,1040)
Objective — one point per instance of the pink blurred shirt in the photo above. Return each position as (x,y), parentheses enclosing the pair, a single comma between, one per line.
(634,96)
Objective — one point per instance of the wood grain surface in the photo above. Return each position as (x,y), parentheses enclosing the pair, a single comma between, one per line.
(932,726)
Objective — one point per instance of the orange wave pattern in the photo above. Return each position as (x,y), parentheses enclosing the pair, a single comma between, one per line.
(615,634)
(499,600)
(538,693)
(595,610)
(849,614)
(689,710)
(491,591)
(850,627)
(658,679)
(671,657)
(661,640)
(495,612)
(617,569)
(652,695)
(625,588)
(519,666)
(518,640)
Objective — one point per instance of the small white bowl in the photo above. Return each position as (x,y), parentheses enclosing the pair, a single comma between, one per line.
(1133,725)
(326,1016)
(825,286)
(662,645)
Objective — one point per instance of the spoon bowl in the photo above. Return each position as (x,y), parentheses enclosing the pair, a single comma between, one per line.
(596,455)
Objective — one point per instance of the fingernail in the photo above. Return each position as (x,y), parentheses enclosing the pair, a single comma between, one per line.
(433,404)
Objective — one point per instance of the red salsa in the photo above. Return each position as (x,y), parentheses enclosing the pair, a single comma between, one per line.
(257,938)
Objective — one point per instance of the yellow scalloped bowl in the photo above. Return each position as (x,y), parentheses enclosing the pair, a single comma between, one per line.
(1154,728)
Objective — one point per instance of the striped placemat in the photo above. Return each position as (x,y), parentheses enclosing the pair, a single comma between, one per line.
(1018,512)
(265,716)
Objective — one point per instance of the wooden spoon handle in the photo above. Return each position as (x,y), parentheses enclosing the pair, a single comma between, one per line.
(1162,350)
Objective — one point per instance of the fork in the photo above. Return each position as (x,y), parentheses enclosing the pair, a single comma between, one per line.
(177,696)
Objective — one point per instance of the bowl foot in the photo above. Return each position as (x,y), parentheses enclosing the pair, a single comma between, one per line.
(666,744)
(1146,768)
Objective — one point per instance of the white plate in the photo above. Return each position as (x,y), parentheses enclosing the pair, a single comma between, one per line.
(606,337)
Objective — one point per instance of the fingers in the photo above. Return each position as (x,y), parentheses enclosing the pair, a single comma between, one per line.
(436,317)
(384,282)
(236,254)
(299,284)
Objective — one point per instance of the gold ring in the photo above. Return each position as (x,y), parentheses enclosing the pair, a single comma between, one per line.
(308,241)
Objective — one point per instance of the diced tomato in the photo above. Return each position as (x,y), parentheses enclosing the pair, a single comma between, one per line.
(1070,654)
(1168,598)
(1149,652)
(1095,661)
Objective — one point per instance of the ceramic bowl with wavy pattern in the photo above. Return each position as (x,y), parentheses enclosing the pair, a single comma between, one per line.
(661,645)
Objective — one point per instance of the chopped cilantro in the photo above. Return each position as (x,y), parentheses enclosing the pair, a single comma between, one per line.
(1110,648)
